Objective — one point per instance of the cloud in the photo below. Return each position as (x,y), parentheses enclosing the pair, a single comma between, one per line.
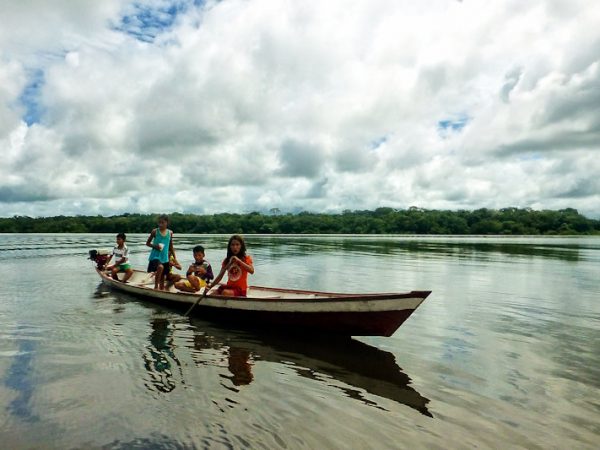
(511,79)
(161,105)
(12,195)
(300,159)
(12,82)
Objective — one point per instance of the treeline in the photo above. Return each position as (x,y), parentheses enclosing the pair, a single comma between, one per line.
(507,221)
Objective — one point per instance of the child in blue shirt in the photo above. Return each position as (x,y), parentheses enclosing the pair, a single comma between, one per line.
(161,243)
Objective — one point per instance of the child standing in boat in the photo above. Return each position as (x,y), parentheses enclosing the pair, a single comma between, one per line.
(237,265)
(161,243)
(121,255)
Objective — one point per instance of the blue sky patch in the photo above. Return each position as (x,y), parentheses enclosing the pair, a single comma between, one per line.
(31,95)
(452,125)
(376,143)
(145,22)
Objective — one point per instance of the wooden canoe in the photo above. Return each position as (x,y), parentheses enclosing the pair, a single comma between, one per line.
(332,313)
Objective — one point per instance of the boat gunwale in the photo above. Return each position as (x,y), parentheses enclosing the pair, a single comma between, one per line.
(352,315)
(327,296)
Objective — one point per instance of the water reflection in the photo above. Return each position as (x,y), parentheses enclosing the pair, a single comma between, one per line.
(156,442)
(443,247)
(358,366)
(238,359)
(160,356)
(19,378)
(280,246)
(357,370)
(238,363)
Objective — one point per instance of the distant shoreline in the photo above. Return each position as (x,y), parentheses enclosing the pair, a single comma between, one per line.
(381,221)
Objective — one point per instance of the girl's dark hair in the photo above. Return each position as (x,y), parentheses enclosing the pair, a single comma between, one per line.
(164,217)
(122,236)
(242,253)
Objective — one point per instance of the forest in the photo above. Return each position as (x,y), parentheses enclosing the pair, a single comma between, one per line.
(506,221)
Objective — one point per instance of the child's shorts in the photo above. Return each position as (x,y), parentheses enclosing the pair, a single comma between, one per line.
(202,283)
(237,291)
(124,267)
(153,267)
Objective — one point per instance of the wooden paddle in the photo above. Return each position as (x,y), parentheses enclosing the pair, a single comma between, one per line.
(206,289)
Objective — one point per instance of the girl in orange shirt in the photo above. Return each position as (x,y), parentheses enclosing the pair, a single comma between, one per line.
(237,265)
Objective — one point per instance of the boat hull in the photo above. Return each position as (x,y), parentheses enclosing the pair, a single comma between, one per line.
(330,313)
(383,323)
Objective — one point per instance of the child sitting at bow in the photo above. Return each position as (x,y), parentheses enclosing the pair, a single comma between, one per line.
(121,262)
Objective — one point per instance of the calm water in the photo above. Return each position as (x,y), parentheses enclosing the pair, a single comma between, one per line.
(504,353)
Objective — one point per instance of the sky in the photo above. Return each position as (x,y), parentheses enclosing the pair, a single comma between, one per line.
(247,105)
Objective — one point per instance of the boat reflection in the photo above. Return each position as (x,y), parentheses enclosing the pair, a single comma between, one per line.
(353,367)
(360,371)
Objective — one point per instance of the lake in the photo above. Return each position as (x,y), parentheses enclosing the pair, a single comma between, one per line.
(504,353)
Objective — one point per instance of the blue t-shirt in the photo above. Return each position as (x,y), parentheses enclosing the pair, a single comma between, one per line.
(162,255)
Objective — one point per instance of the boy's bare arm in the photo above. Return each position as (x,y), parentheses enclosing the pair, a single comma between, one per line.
(171,247)
(150,238)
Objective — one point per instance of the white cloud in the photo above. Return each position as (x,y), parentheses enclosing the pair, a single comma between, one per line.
(12,82)
(242,105)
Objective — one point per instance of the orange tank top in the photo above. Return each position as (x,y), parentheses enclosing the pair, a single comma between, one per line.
(237,275)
